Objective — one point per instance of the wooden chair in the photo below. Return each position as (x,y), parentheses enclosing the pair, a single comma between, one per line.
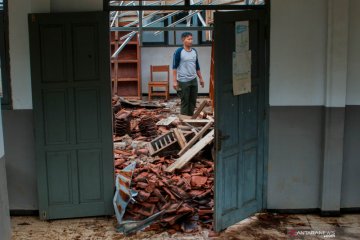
(161,84)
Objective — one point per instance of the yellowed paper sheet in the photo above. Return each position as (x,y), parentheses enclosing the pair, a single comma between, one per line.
(241,72)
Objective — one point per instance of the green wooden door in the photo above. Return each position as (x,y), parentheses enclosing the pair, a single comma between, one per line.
(72,112)
(239,122)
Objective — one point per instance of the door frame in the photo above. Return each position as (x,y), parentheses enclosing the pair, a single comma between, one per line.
(267,8)
(267,101)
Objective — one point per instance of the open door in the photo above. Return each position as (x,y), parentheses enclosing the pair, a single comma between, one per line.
(240,121)
(70,74)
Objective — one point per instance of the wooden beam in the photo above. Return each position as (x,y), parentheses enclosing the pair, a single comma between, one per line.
(199,109)
(184,117)
(195,138)
(196,120)
(180,162)
(180,138)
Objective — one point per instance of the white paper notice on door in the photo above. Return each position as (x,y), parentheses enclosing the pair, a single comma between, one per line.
(241,72)
(241,36)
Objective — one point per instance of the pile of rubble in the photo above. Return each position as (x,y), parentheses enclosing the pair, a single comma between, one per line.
(171,186)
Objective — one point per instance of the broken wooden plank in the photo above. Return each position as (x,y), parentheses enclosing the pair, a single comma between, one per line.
(162,142)
(180,162)
(166,121)
(210,118)
(192,128)
(195,120)
(199,109)
(180,138)
(195,138)
(184,117)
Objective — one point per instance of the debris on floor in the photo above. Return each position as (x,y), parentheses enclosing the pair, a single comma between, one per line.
(172,182)
(259,226)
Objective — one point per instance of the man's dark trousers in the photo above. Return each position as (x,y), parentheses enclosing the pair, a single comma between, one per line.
(188,91)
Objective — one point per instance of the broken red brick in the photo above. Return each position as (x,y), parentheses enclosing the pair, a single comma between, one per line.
(142,196)
(121,152)
(147,210)
(141,177)
(166,205)
(142,185)
(179,192)
(150,187)
(185,209)
(119,162)
(186,175)
(158,194)
(205,211)
(153,199)
(195,193)
(172,197)
(198,181)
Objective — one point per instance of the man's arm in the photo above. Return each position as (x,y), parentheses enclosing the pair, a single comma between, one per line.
(198,70)
(175,84)
(176,62)
(202,83)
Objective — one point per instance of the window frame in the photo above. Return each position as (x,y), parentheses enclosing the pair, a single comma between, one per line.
(158,44)
(185,7)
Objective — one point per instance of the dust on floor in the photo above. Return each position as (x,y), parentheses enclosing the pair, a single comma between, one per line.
(264,226)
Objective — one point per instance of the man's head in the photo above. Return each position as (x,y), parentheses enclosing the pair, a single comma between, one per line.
(187,39)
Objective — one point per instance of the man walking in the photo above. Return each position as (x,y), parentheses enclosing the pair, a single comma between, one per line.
(186,69)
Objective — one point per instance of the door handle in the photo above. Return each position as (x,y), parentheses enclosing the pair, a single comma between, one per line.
(219,138)
(225,137)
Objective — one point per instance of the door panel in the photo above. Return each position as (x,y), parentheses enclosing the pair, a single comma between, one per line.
(72,111)
(85,49)
(87,115)
(249,182)
(239,122)
(56,118)
(53,53)
(58,166)
(230,197)
(89,164)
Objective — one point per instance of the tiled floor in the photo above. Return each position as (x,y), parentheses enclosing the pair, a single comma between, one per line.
(261,226)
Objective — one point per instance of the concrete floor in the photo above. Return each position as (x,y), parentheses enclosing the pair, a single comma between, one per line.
(261,226)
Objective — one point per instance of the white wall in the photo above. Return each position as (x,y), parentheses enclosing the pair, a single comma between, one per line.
(163,56)
(353,81)
(298,52)
(19,49)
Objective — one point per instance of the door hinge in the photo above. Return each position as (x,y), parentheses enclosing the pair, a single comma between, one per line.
(43,215)
(217,140)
